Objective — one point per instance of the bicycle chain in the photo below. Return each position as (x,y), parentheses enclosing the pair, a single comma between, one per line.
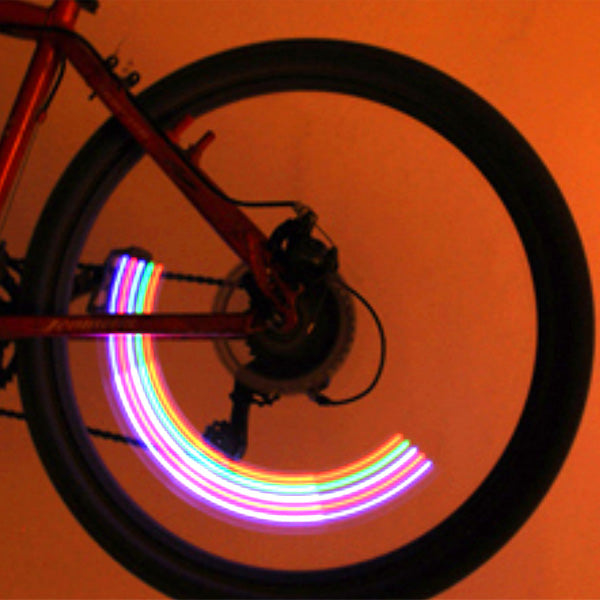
(19,415)
(10,273)
(201,279)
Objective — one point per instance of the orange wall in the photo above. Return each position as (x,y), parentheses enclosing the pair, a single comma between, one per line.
(537,61)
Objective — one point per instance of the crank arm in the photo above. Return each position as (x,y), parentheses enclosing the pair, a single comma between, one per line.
(192,326)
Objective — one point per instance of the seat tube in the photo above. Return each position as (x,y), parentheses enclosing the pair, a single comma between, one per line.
(27,111)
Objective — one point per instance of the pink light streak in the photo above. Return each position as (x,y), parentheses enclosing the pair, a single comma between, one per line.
(206,475)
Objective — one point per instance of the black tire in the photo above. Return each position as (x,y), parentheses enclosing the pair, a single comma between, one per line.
(540,443)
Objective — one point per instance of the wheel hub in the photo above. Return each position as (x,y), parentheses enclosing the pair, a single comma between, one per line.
(297,361)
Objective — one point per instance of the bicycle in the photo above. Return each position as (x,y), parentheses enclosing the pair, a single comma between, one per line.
(273,284)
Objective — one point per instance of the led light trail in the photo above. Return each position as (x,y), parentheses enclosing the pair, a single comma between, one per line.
(207,475)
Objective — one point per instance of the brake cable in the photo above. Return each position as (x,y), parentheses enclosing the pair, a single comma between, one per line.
(324,400)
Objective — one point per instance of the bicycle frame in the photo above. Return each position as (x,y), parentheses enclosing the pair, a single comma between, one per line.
(52,30)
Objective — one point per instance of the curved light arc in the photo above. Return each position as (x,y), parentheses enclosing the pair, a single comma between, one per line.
(204,473)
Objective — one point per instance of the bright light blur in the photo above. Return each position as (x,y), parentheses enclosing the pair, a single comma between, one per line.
(206,475)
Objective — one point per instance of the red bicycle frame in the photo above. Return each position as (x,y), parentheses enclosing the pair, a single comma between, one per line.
(52,29)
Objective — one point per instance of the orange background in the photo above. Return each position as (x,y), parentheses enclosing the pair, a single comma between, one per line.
(535,61)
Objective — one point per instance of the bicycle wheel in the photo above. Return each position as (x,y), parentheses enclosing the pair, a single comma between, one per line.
(474,268)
